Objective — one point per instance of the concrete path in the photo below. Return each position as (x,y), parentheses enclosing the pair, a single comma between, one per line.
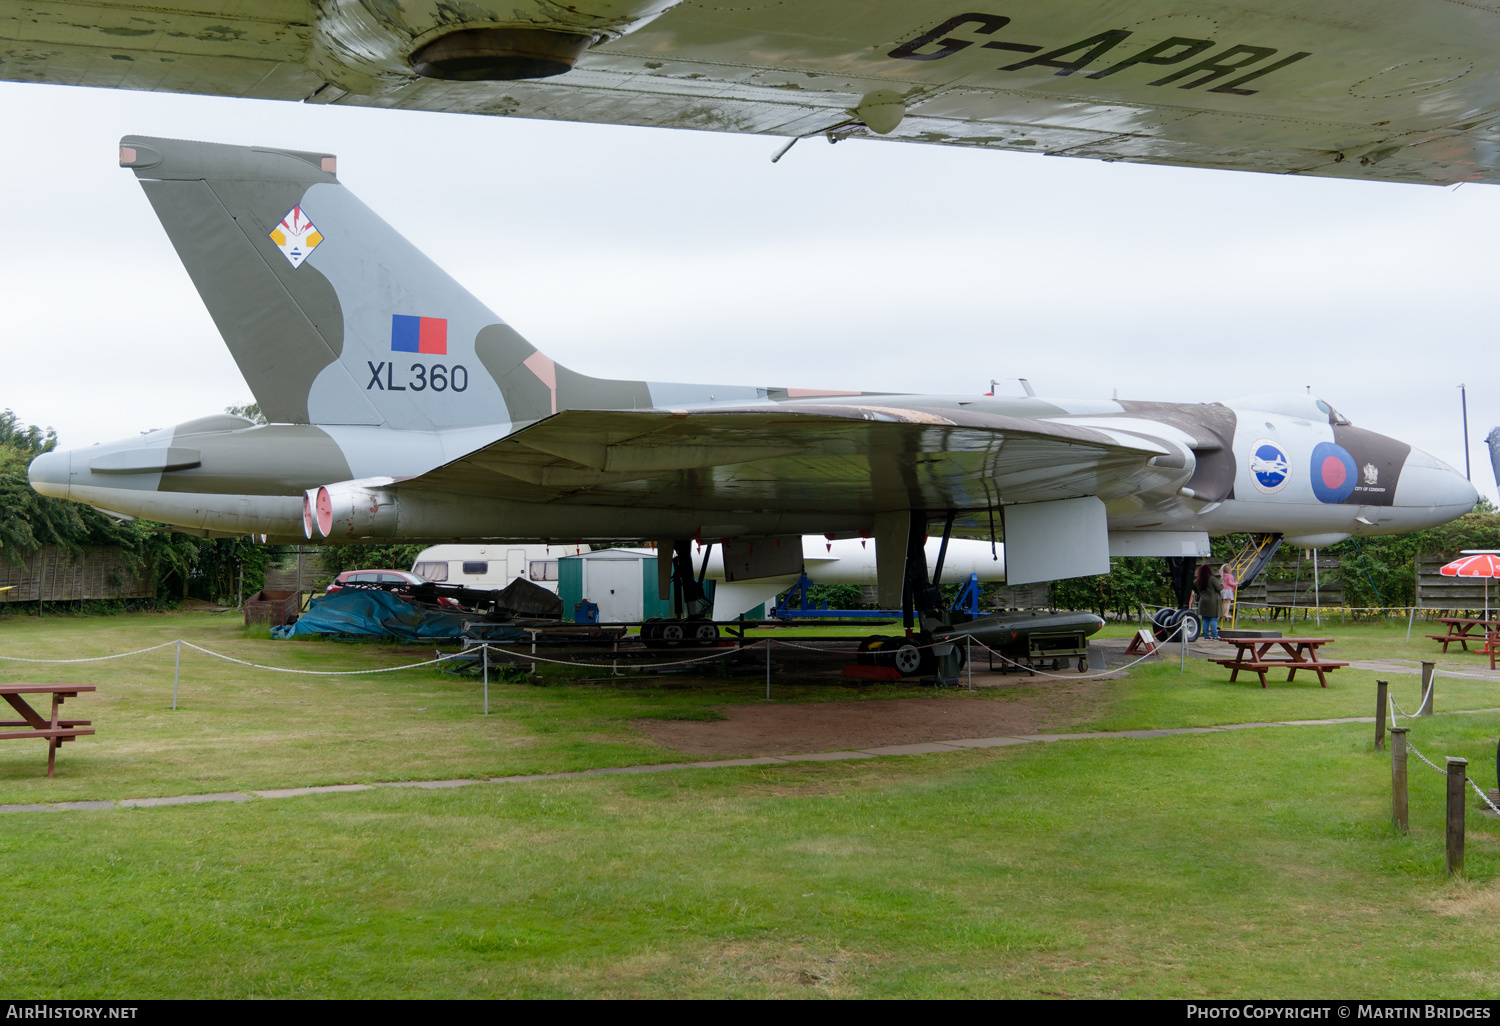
(1114,651)
(959,745)
(1443,669)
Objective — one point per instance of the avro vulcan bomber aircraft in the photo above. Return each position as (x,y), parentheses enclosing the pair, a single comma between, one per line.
(1390,90)
(403,409)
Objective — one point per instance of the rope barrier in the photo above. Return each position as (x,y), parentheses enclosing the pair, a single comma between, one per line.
(91,659)
(1029,669)
(815,648)
(1413,748)
(567,662)
(1395,720)
(315,673)
(1059,676)
(1395,710)
(1467,779)
(955,640)
(640,666)
(385,669)
(1483,797)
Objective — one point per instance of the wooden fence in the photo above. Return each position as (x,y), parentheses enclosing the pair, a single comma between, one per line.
(54,574)
(1290,583)
(297,571)
(1434,591)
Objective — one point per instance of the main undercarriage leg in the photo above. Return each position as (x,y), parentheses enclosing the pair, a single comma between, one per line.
(687,587)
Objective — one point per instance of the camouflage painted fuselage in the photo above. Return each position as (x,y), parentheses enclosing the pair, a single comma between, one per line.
(402,408)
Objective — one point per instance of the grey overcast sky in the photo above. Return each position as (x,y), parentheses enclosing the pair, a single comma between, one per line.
(689,256)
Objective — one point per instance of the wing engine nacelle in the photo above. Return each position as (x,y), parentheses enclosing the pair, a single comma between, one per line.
(350,510)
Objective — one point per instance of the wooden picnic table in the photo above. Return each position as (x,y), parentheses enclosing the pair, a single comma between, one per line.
(1462,631)
(1491,646)
(1255,654)
(54,730)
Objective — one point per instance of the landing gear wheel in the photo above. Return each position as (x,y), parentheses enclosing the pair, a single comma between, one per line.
(909,660)
(706,633)
(1192,626)
(1164,625)
(672,634)
(651,630)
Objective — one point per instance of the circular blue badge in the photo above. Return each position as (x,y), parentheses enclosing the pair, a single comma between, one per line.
(1269,468)
(1333,472)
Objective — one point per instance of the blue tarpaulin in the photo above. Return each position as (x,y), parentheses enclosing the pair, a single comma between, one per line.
(367,611)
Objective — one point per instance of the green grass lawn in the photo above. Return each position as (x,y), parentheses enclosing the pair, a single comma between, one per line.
(1247,863)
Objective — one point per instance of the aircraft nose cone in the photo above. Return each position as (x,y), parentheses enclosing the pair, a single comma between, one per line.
(1428,481)
(49,473)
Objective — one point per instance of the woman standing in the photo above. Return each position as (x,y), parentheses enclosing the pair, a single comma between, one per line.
(1210,585)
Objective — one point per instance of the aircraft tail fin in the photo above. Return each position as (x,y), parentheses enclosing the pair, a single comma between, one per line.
(332,316)
(1493,438)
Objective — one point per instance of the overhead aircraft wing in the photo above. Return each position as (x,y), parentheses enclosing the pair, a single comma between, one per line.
(854,459)
(1393,90)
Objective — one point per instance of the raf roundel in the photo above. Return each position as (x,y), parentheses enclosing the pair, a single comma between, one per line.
(1334,474)
(1270,469)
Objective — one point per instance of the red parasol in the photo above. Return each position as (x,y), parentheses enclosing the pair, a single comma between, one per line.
(1479,564)
(1483,565)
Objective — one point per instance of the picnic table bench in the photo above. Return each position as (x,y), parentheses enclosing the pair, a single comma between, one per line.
(54,730)
(1491,646)
(1463,630)
(1256,655)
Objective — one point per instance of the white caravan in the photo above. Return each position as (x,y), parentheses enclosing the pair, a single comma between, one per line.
(845,561)
(493,567)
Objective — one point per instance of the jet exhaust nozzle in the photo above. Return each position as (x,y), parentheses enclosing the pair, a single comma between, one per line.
(350,510)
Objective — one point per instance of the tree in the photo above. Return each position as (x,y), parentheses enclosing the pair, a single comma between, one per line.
(250,411)
(1380,571)
(28,519)
(1132,581)
(180,564)
(30,440)
(335,559)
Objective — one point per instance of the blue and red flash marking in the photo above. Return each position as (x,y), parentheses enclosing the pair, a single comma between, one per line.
(427,335)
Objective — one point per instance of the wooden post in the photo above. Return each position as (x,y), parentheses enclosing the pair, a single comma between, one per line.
(1429,671)
(768,669)
(1380,712)
(1398,777)
(1458,772)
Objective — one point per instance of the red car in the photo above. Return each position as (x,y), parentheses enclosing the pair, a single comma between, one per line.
(397,582)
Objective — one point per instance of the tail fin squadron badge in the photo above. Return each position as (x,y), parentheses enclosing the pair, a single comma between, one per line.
(296,236)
